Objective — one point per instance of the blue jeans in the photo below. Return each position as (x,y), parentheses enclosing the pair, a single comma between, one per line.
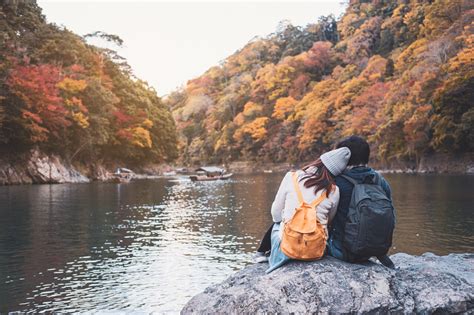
(277,257)
(334,249)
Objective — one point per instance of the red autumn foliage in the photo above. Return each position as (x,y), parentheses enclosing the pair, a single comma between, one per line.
(122,118)
(319,55)
(43,114)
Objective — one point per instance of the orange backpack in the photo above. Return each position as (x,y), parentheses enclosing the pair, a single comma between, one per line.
(304,237)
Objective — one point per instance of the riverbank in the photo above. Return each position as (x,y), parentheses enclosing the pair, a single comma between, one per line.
(440,163)
(39,168)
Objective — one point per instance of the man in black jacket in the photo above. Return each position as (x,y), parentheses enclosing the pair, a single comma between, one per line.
(358,170)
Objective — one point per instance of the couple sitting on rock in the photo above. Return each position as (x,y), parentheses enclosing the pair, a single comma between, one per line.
(336,205)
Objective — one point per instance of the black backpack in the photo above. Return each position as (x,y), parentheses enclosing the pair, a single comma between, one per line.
(370,221)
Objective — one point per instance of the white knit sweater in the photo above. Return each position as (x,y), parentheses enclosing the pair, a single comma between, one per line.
(286,201)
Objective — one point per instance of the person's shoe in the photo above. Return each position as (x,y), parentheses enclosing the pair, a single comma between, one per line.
(260,257)
(386,261)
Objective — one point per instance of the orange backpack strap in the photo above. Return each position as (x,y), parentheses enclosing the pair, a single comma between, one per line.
(315,203)
(297,188)
(318,200)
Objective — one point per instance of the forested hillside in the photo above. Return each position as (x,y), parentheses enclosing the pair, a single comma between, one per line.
(60,95)
(400,73)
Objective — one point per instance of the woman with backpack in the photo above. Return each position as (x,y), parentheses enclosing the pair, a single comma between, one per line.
(304,204)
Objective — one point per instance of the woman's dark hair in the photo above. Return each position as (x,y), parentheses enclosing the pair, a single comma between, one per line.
(360,150)
(321,178)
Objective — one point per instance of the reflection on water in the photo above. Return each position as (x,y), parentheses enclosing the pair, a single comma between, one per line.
(434,213)
(151,245)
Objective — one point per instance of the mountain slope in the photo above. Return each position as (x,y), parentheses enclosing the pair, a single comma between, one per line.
(400,73)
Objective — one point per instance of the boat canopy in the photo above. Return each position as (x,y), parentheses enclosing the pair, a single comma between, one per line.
(123,170)
(211,170)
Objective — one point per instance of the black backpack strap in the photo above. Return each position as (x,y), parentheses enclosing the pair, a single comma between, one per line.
(350,179)
(386,261)
(378,179)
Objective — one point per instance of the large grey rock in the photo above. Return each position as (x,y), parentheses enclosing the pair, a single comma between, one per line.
(51,169)
(424,284)
(39,168)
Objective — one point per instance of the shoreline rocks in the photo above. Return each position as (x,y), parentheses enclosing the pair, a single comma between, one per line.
(36,167)
(39,168)
(426,284)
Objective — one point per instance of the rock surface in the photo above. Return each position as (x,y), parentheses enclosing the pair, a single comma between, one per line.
(39,168)
(35,167)
(424,284)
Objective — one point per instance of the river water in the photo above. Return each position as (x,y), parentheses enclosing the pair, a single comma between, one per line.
(150,245)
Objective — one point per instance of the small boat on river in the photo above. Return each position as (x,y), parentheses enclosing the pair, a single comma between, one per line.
(122,175)
(210,173)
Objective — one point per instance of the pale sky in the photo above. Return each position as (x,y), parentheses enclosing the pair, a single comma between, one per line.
(168,43)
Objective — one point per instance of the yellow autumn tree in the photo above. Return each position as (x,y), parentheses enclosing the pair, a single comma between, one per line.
(274,81)
(252,109)
(141,137)
(255,129)
(315,110)
(283,107)
(71,85)
(70,88)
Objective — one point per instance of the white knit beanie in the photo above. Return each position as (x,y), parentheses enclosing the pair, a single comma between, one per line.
(336,160)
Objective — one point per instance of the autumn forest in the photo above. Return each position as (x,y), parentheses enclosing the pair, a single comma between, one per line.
(64,96)
(400,73)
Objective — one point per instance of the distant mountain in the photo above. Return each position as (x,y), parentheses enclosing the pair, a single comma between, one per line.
(400,73)
(63,96)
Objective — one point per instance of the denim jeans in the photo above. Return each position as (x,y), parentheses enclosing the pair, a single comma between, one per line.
(334,249)
(277,257)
